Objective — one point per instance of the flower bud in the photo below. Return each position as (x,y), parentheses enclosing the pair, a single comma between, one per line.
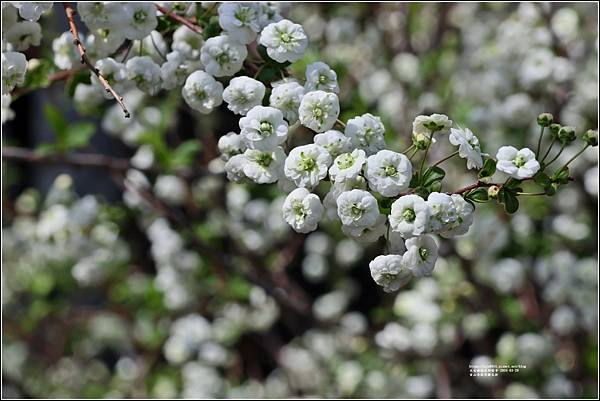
(420,140)
(554,128)
(591,137)
(567,134)
(545,119)
(493,192)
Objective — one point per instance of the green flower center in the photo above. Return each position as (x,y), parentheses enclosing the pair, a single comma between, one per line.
(356,211)
(306,163)
(318,112)
(266,128)
(299,210)
(369,134)
(222,58)
(322,79)
(243,14)
(409,215)
(286,37)
(264,159)
(139,16)
(519,161)
(390,171)
(345,161)
(423,252)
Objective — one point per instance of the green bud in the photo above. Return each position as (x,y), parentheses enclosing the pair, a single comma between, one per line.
(420,141)
(493,192)
(545,119)
(554,128)
(591,137)
(567,134)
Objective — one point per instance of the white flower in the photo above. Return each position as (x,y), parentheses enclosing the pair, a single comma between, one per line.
(366,132)
(114,72)
(319,110)
(187,42)
(102,15)
(307,165)
(302,210)
(14,67)
(32,10)
(235,168)
(439,123)
(65,53)
(468,146)
(319,76)
(286,96)
(357,208)
(442,211)
(243,93)
(519,164)
(268,12)
(464,217)
(337,188)
(347,166)
(409,216)
(7,113)
(421,255)
(240,21)
(284,40)
(366,235)
(141,19)
(202,92)
(389,272)
(174,71)
(145,73)
(230,145)
(334,141)
(23,34)
(388,173)
(263,128)
(264,167)
(104,42)
(171,189)
(222,56)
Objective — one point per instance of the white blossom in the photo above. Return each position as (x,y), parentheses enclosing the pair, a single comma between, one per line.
(284,40)
(231,144)
(425,125)
(366,132)
(519,164)
(421,255)
(307,165)
(222,56)
(319,110)
(187,42)
(14,67)
(202,92)
(145,73)
(114,72)
(32,10)
(347,166)
(334,141)
(409,216)
(319,76)
(243,93)
(102,15)
(240,21)
(468,146)
(234,168)
(337,188)
(65,53)
(302,210)
(442,211)
(286,96)
(357,208)
(464,217)
(263,128)
(174,71)
(388,173)
(23,34)
(140,19)
(367,235)
(389,272)
(264,167)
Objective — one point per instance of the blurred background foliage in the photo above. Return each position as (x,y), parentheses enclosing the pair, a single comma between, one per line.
(205,292)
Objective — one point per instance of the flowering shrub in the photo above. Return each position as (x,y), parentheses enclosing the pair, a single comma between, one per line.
(365,174)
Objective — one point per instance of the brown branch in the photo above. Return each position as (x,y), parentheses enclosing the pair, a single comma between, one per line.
(70,11)
(57,76)
(179,19)
(92,160)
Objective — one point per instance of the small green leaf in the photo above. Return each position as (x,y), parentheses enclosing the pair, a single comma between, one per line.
(542,179)
(183,156)
(488,170)
(513,184)
(79,134)
(511,203)
(477,195)
(57,122)
(561,176)
(432,175)
(414,181)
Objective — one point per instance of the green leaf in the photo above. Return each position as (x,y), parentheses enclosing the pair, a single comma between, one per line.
(513,184)
(414,181)
(561,176)
(477,195)
(488,170)
(509,198)
(432,175)
(79,134)
(542,179)
(183,156)
(57,122)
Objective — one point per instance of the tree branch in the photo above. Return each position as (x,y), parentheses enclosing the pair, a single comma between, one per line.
(178,18)
(70,11)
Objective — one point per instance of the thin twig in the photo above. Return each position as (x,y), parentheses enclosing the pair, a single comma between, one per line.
(70,12)
(195,28)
